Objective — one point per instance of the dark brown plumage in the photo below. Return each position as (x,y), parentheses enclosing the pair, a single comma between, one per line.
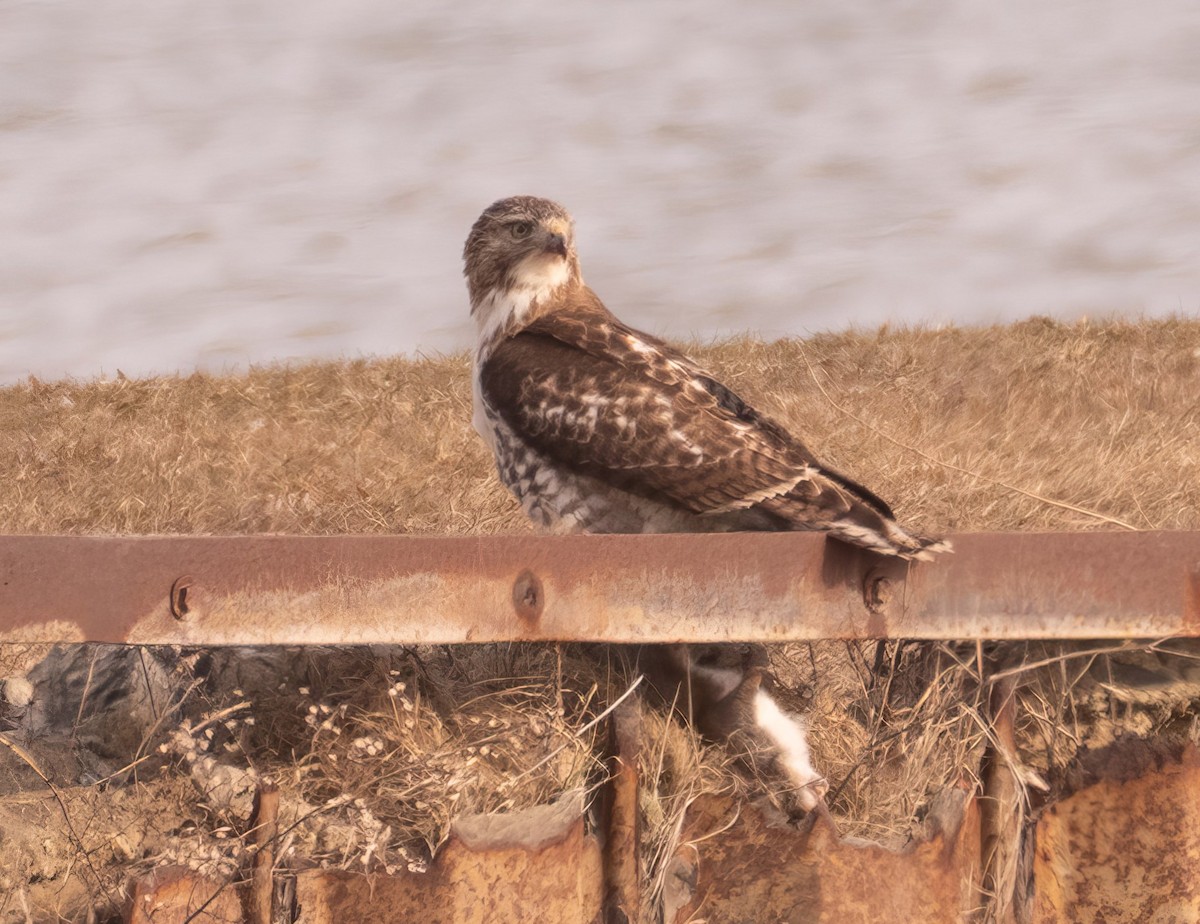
(600,428)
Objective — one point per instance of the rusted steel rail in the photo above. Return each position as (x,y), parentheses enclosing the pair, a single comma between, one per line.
(259,590)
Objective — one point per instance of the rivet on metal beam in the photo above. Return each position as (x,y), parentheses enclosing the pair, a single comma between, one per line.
(179,597)
(528,597)
(878,591)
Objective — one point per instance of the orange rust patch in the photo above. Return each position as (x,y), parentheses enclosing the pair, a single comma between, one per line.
(1122,850)
(172,895)
(528,866)
(756,870)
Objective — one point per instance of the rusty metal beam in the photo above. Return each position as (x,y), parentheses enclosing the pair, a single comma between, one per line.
(257,590)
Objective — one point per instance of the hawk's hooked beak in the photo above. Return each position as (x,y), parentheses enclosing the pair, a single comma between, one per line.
(556,243)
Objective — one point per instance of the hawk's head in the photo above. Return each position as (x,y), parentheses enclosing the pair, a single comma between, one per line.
(521,249)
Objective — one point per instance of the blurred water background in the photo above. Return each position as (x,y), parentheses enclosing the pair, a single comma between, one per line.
(211,184)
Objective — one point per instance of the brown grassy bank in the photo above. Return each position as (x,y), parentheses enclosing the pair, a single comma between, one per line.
(1104,416)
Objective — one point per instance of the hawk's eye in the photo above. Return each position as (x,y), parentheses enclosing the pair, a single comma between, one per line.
(522,229)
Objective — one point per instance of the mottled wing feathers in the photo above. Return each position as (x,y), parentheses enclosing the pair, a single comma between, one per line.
(736,406)
(662,442)
(591,394)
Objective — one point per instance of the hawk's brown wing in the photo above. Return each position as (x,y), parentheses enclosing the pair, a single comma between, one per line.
(607,401)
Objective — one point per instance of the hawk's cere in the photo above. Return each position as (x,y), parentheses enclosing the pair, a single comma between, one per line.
(600,428)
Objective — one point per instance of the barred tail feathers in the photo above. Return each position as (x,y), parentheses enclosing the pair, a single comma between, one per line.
(852,514)
(893,540)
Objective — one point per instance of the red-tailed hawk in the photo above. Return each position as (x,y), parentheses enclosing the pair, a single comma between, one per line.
(597,427)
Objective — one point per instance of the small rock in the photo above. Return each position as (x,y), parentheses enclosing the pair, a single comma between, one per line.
(17,692)
(123,847)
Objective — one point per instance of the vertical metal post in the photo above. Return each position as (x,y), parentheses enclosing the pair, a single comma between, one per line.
(622,840)
(1001,808)
(266,830)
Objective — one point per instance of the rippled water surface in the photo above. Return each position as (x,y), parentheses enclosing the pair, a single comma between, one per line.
(211,184)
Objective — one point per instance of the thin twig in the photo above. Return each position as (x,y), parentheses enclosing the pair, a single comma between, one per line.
(958,468)
(590,725)
(1070,655)
(218,716)
(33,765)
(25,906)
(146,679)
(87,686)
(162,716)
(118,773)
(737,813)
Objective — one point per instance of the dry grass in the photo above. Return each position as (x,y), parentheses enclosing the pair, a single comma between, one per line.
(893,724)
(1104,416)
(423,737)
(676,768)
(379,750)
(382,749)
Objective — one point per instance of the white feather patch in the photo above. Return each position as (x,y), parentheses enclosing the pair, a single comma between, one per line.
(542,273)
(535,278)
(775,490)
(788,735)
(501,309)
